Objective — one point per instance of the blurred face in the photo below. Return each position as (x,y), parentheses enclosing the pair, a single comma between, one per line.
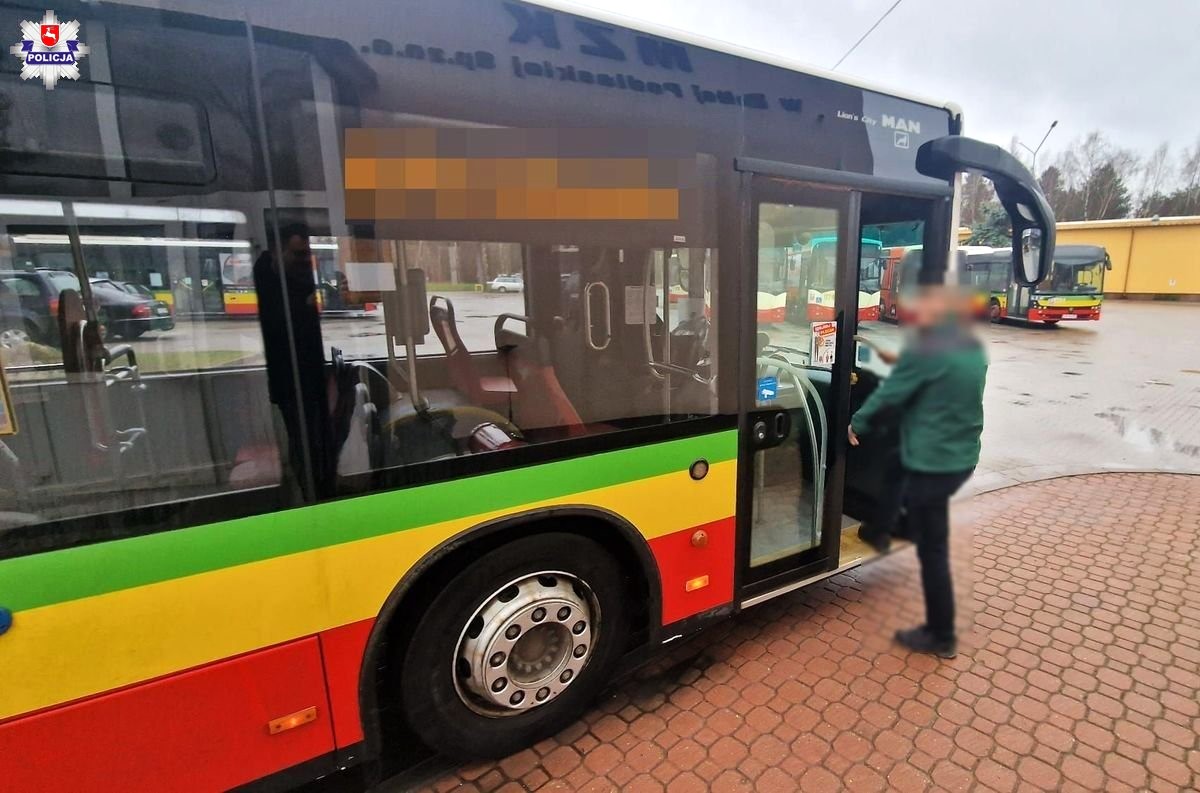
(933,305)
(297,254)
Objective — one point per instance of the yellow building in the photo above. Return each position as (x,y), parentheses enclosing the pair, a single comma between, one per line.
(1151,257)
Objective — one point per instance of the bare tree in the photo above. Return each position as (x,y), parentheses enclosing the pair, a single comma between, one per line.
(1154,171)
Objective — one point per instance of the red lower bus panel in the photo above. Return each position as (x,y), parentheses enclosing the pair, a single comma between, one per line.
(202,730)
(343,648)
(680,562)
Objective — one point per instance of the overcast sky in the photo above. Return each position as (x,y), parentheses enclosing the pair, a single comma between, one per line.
(1130,68)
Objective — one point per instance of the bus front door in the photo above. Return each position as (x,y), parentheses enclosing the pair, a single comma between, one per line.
(795,388)
(1019,298)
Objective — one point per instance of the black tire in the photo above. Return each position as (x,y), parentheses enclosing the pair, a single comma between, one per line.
(431,701)
(132,331)
(502,290)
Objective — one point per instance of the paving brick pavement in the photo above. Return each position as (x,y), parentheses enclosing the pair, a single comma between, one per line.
(1079,669)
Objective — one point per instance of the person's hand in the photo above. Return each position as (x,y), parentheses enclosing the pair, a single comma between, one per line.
(852,436)
(887,356)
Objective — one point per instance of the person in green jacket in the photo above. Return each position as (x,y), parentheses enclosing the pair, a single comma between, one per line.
(935,393)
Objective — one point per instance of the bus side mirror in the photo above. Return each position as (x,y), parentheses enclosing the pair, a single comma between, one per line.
(1029,213)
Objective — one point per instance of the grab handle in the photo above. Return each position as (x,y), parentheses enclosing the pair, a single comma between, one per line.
(587,315)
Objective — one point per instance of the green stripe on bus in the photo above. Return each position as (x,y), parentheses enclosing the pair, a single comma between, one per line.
(55,577)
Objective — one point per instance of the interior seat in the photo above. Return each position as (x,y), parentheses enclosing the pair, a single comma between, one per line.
(491,392)
(539,402)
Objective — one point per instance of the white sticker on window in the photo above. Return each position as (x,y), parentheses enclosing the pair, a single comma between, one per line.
(371,276)
(639,305)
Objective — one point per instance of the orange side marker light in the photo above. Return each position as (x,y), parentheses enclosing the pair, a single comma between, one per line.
(292,720)
(695,583)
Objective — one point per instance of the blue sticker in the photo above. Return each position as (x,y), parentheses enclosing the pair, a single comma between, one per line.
(768,388)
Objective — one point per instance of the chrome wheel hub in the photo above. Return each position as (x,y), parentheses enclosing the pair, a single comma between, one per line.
(527,642)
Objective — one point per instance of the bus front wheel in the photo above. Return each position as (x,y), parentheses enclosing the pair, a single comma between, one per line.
(515,646)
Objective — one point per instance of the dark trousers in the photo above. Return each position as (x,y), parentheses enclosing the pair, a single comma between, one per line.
(927,499)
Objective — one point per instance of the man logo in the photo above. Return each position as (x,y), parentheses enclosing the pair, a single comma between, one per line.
(50,50)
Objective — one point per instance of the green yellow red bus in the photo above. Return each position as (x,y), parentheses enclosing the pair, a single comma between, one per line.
(264,551)
(1073,290)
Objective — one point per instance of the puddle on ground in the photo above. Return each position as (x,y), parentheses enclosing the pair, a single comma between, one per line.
(1146,438)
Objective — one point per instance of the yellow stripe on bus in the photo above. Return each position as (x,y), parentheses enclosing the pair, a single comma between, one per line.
(83,647)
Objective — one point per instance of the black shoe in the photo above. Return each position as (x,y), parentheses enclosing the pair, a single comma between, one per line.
(920,640)
(879,541)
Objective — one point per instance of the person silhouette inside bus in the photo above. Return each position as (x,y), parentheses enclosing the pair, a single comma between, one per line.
(935,394)
(296,379)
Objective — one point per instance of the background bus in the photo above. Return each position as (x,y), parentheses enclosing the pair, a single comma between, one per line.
(900,267)
(1073,291)
(799,284)
(811,288)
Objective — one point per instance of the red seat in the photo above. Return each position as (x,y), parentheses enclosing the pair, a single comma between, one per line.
(491,392)
(540,402)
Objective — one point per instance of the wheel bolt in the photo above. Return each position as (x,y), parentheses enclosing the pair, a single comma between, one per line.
(563,613)
(579,627)
(497,659)
(499,685)
(539,614)
(580,650)
(542,694)
(513,632)
(517,698)
(566,676)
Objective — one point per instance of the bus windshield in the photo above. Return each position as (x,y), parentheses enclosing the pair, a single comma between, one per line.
(1072,278)
(870,266)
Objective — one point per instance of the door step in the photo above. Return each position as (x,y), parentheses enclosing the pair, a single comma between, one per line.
(853,552)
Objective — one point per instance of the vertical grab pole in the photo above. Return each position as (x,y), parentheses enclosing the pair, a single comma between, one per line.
(410,345)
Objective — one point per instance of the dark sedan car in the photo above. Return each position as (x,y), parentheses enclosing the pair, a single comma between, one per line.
(37,294)
(154,315)
(120,312)
(127,313)
(12,322)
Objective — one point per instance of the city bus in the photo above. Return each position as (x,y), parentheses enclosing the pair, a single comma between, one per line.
(1073,290)
(901,264)
(262,551)
(813,298)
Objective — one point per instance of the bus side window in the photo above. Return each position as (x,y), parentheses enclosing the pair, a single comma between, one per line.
(535,328)
(152,390)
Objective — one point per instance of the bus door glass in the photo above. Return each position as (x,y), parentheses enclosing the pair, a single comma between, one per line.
(795,378)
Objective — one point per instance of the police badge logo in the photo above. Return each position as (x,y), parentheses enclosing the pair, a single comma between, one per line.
(50,50)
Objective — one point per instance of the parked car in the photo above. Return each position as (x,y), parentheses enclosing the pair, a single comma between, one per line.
(507,283)
(12,322)
(126,312)
(37,294)
(162,315)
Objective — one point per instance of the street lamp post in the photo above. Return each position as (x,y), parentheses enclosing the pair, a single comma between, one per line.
(1034,152)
